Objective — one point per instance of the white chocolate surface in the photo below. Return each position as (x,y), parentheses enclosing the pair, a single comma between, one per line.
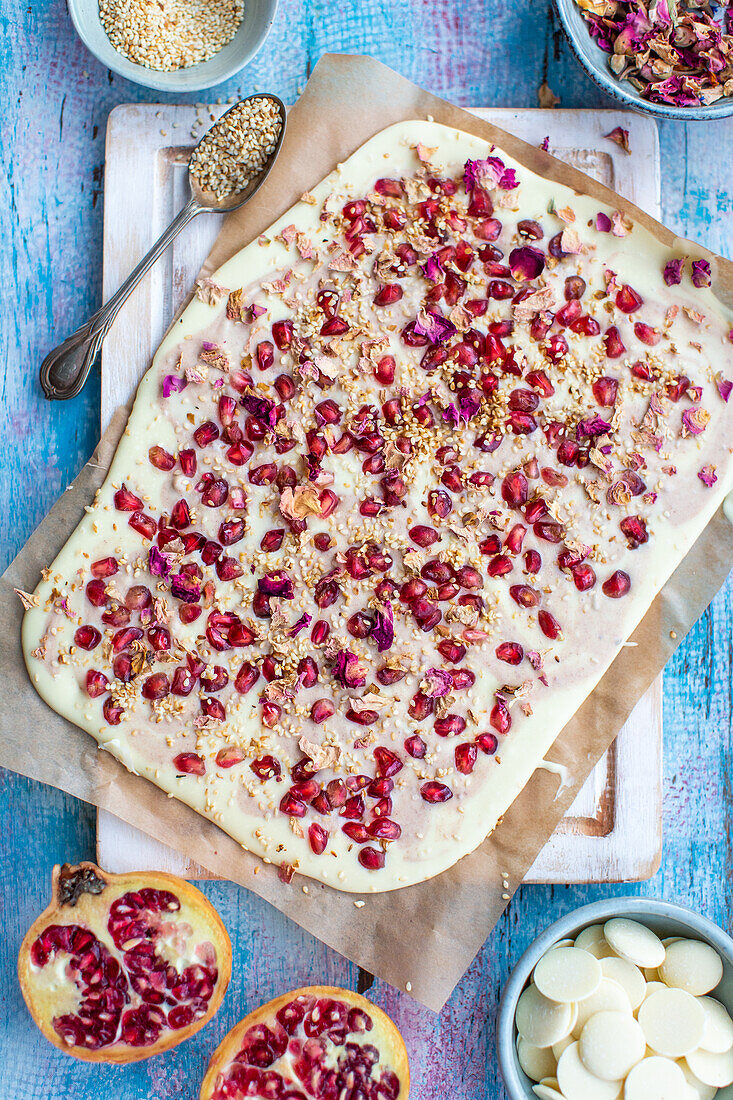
(433,836)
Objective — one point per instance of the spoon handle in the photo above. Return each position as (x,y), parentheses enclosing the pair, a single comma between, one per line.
(65,369)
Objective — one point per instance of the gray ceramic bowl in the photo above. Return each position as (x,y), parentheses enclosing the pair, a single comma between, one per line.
(663,917)
(595,62)
(252,32)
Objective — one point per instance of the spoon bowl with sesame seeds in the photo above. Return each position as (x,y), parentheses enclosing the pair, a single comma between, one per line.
(227,167)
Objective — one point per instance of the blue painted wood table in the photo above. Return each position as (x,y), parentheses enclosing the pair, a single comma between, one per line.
(52,145)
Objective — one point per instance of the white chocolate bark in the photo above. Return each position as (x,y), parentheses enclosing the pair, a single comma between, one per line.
(542,692)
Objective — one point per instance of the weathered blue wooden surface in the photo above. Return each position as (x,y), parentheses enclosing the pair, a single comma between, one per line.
(56,100)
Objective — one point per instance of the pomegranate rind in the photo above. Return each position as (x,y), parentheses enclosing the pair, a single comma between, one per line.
(384,1035)
(89,911)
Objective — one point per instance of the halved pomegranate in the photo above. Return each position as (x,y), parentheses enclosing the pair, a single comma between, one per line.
(121,967)
(315,1042)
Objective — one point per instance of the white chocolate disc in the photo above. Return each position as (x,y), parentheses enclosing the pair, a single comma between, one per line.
(628,976)
(537,1062)
(693,966)
(610,1044)
(542,1022)
(652,987)
(592,939)
(656,1079)
(698,1089)
(717,1033)
(577,1083)
(671,939)
(545,1091)
(567,974)
(609,997)
(672,1022)
(651,973)
(558,1049)
(712,1069)
(563,943)
(634,941)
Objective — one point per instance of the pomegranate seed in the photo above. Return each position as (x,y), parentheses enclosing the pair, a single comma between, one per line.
(415,746)
(549,625)
(105,567)
(515,538)
(371,858)
(384,829)
(187,459)
(292,806)
(515,489)
(453,652)
(156,686)
(614,345)
(434,792)
(144,525)
(451,478)
(227,758)
(215,493)
(532,561)
(206,433)
(95,593)
(423,536)
(439,505)
(421,705)
(523,595)
(388,295)
(634,528)
(161,458)
(246,678)
(584,577)
(384,371)
(190,763)
(647,334)
(617,585)
(270,714)
(317,838)
(468,577)
(159,638)
(183,682)
(322,709)
(126,501)
(499,566)
(123,638)
(320,632)
(488,743)
(574,287)
(511,652)
(355,831)
(334,326)
(96,684)
(266,767)
(180,515)
(264,474)
(490,545)
(548,531)
(465,756)
(112,712)
(450,725)
(628,300)
(189,612)
(523,400)
(388,763)
(604,391)
(556,348)
(500,718)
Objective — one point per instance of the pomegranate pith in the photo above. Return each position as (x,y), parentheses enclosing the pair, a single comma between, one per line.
(121,967)
(317,1042)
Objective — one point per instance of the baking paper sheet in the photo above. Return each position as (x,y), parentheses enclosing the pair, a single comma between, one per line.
(428,934)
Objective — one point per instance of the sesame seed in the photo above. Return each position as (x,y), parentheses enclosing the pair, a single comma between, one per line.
(170,34)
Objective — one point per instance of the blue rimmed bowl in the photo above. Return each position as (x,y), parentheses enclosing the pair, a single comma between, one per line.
(595,62)
(248,40)
(663,917)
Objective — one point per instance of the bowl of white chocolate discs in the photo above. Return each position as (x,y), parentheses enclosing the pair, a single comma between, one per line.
(625,999)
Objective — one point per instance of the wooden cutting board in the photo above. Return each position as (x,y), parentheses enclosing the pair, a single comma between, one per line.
(612,833)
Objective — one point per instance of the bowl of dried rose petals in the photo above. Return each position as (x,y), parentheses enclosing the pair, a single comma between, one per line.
(672,58)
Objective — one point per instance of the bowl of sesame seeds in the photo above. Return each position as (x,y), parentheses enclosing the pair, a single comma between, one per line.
(173,45)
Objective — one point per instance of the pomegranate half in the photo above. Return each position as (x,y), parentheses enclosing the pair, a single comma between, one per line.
(121,967)
(317,1042)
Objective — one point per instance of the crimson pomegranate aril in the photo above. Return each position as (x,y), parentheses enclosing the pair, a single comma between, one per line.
(523,595)
(180,515)
(440,504)
(515,489)
(488,743)
(189,612)
(126,501)
(511,652)
(549,531)
(112,712)
(183,682)
(415,746)
(462,678)
(125,637)
(96,683)
(353,807)
(585,326)
(144,525)
(627,300)
(371,858)
(266,767)
(206,433)
(156,686)
(515,538)
(532,561)
(270,714)
(384,829)
(499,566)
(450,725)
(500,718)
(490,545)
(187,459)
(583,576)
(189,763)
(292,806)
(549,625)
(452,479)
(116,616)
(617,585)
(160,458)
(567,452)
(420,706)
(556,348)
(605,391)
(423,536)
(95,593)
(435,792)
(634,528)
(540,381)
(465,756)
(229,757)
(122,668)
(317,838)
(246,678)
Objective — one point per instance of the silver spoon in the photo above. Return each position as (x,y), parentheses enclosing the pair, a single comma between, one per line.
(65,369)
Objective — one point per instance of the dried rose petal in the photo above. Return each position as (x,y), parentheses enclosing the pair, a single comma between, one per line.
(672,273)
(707,475)
(620,137)
(701,273)
(173,384)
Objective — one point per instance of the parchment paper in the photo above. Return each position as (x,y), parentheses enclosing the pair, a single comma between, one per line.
(427,934)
